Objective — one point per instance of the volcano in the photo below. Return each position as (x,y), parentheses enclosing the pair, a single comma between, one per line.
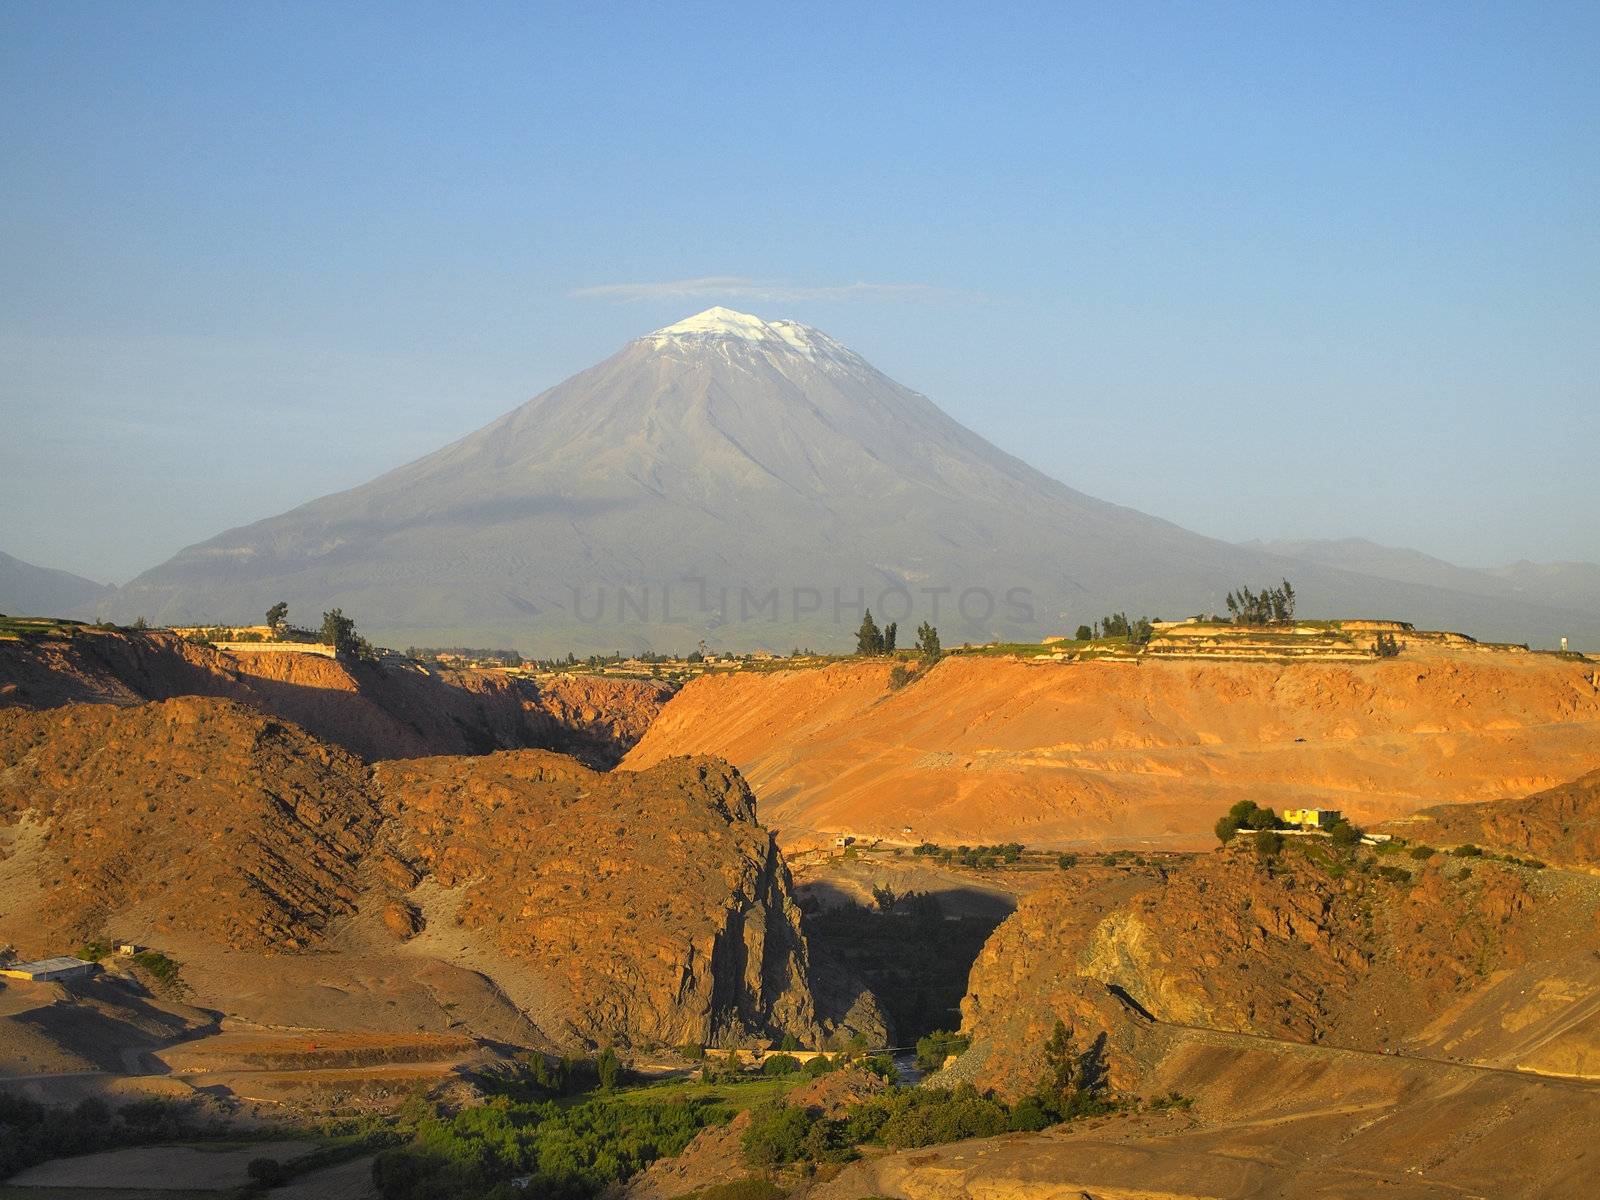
(745,482)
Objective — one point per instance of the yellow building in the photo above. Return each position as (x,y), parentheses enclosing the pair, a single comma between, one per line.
(1311,818)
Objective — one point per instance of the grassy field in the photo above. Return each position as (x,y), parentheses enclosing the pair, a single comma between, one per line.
(738,1096)
(14,628)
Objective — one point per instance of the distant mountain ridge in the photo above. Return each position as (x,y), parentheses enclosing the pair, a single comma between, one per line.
(1569,585)
(27,590)
(752,483)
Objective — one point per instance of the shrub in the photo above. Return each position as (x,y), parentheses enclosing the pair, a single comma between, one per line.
(1394,874)
(1467,850)
(1344,834)
(1029,1116)
(937,1117)
(1067,861)
(268,1172)
(780,1064)
(776,1136)
(1422,853)
(938,1046)
(163,969)
(900,676)
(820,1065)
(881,1065)
(1269,843)
(1172,1100)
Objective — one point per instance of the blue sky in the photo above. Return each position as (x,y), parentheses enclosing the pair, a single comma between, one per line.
(1267,270)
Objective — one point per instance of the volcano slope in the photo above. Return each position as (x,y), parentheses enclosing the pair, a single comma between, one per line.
(391,709)
(1343,1024)
(517,896)
(1138,753)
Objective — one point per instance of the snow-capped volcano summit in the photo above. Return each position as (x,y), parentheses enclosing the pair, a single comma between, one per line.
(720,321)
(725,324)
(749,481)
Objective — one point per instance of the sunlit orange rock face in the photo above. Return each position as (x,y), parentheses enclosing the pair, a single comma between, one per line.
(646,906)
(1560,826)
(393,711)
(1137,753)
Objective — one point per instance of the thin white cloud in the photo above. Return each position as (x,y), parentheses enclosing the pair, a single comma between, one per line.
(743,288)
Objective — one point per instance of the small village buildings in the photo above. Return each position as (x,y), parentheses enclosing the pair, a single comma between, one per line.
(48,970)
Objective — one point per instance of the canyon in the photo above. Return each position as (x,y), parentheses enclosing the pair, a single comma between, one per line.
(364,880)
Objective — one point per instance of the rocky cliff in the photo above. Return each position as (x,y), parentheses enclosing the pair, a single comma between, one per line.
(649,907)
(1307,947)
(656,903)
(377,711)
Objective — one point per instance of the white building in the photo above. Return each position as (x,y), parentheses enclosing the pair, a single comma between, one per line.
(47,970)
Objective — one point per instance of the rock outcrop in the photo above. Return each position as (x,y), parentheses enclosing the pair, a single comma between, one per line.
(1560,825)
(1301,948)
(637,908)
(654,902)
(378,711)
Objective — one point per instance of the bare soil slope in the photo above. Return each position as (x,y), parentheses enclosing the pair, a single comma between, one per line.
(375,711)
(1133,753)
(1286,1124)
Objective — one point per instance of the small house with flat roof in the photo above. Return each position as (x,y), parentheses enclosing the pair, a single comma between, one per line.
(48,970)
(1312,818)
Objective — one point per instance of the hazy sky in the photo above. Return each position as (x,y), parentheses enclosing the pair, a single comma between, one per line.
(1267,270)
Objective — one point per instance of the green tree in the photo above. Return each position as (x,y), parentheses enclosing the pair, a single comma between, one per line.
(1269,843)
(1245,814)
(1084,634)
(609,1067)
(1063,1070)
(928,642)
(339,631)
(869,638)
(889,632)
(1344,834)
(277,614)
